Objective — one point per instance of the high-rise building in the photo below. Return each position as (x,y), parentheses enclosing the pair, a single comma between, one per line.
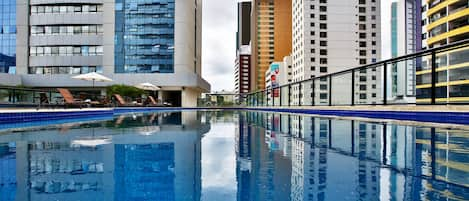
(331,36)
(405,39)
(445,22)
(243,70)
(243,35)
(271,35)
(8,36)
(130,41)
(243,64)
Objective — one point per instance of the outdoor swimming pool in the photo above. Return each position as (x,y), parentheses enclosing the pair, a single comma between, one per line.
(233,155)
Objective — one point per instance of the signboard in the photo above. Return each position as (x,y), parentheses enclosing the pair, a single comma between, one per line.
(275,71)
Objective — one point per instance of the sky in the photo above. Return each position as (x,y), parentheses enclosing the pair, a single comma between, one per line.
(219,40)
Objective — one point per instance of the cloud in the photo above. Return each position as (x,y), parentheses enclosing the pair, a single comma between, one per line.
(219,163)
(219,43)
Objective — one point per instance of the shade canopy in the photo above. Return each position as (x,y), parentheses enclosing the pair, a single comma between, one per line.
(93,77)
(147,86)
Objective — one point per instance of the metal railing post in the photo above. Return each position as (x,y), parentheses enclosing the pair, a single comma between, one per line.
(433,87)
(353,88)
(385,84)
(289,95)
(273,97)
(300,94)
(280,96)
(330,90)
(313,95)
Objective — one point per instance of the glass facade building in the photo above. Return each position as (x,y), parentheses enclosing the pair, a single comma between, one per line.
(144,36)
(8,36)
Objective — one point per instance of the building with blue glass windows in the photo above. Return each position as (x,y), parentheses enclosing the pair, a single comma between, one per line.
(45,43)
(8,36)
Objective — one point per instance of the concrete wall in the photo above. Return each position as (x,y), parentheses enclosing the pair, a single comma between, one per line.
(9,79)
(189,97)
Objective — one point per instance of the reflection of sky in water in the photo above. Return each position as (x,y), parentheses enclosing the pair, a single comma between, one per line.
(242,157)
(219,163)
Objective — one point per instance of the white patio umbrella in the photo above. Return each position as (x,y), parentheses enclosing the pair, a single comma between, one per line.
(147,86)
(95,77)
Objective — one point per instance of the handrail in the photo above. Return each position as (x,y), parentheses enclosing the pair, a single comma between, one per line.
(449,47)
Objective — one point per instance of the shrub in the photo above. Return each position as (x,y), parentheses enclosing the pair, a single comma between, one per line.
(124,90)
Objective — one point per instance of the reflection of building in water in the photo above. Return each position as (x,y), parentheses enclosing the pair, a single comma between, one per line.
(441,155)
(369,148)
(270,168)
(357,152)
(7,172)
(122,167)
(243,159)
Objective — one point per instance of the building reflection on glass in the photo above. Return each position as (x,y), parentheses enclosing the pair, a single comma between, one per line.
(105,160)
(333,159)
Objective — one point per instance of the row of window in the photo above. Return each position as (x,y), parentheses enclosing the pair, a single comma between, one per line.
(66,51)
(89,8)
(65,69)
(67,30)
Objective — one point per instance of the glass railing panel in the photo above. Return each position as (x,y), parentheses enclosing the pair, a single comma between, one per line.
(5,96)
(297,93)
(401,82)
(321,91)
(307,89)
(369,86)
(269,97)
(284,95)
(276,94)
(458,76)
(341,89)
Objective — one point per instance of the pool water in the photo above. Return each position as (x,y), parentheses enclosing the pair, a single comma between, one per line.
(227,156)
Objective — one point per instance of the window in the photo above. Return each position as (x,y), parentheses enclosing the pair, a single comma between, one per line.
(323,87)
(362,78)
(322,52)
(322,61)
(322,8)
(361,18)
(362,35)
(362,10)
(323,69)
(362,61)
(362,87)
(362,96)
(362,44)
(362,52)
(322,43)
(323,26)
(323,96)
(323,17)
(323,34)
